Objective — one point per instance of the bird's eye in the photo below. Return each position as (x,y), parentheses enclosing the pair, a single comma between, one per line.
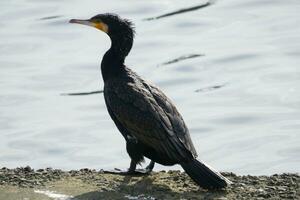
(97,20)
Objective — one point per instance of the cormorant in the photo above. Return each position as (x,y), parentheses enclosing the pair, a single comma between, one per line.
(145,116)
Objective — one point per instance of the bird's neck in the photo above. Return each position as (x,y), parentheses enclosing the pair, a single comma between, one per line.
(113,61)
(111,65)
(121,44)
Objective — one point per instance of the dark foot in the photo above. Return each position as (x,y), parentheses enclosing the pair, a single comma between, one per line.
(145,171)
(132,170)
(128,172)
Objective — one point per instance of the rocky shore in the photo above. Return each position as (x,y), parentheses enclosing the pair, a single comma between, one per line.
(87,184)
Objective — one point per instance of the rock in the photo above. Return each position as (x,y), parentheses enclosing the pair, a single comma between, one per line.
(28,169)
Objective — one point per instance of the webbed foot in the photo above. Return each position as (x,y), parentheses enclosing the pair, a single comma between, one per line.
(132,170)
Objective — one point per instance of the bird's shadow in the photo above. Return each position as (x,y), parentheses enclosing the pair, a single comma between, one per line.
(147,188)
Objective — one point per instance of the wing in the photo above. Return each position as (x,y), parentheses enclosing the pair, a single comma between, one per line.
(120,127)
(148,115)
(178,125)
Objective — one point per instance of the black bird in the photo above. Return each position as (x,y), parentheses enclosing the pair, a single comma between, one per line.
(145,116)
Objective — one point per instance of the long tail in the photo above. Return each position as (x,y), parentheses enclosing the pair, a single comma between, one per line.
(204,175)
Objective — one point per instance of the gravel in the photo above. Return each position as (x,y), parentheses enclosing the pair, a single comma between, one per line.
(157,185)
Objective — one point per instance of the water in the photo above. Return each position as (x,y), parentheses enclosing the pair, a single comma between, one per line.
(240,100)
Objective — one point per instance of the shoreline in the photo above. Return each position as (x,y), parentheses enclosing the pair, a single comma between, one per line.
(87,184)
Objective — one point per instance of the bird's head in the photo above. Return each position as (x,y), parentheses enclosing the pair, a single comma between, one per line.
(109,23)
(120,31)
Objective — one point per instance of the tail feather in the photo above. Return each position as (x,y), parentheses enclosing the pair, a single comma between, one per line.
(204,175)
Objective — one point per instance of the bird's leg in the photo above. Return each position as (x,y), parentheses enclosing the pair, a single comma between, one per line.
(148,169)
(132,169)
(150,166)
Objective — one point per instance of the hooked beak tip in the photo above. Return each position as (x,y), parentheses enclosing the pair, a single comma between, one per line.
(73,21)
(81,21)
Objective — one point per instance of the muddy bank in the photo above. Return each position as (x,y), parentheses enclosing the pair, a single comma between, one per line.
(86,184)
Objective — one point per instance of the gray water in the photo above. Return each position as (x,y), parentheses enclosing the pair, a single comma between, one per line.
(240,100)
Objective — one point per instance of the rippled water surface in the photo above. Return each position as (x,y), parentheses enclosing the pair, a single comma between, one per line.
(240,96)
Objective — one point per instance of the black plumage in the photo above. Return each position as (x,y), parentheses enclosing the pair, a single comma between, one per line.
(146,117)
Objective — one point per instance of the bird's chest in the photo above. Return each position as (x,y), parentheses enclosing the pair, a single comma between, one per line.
(125,97)
(131,104)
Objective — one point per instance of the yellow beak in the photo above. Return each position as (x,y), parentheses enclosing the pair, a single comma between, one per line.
(99,25)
